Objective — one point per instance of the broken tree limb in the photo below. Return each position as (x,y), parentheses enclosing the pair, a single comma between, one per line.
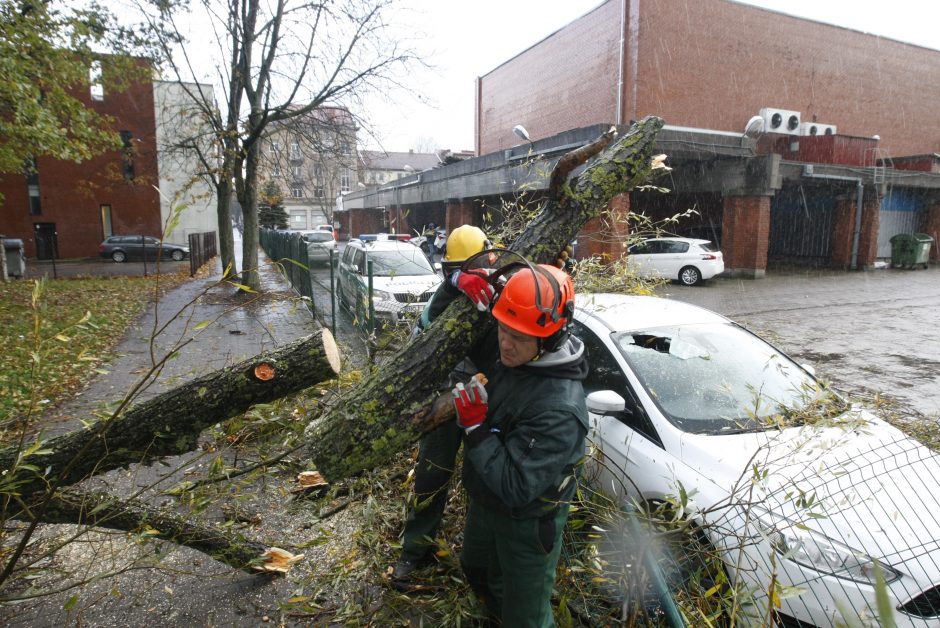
(390,410)
(171,422)
(105,510)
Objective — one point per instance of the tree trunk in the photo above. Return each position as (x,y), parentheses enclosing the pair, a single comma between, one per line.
(170,423)
(389,411)
(226,238)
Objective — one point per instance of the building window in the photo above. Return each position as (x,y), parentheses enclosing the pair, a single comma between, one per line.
(94,80)
(344,180)
(295,150)
(127,155)
(275,147)
(32,189)
(106,229)
(318,191)
(277,169)
(297,192)
(295,172)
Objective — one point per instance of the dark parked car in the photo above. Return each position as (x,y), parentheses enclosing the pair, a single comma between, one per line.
(122,248)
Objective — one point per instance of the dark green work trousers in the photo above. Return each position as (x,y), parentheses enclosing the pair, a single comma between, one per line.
(437,455)
(510,563)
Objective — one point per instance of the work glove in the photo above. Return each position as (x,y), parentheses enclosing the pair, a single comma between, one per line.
(473,283)
(471,404)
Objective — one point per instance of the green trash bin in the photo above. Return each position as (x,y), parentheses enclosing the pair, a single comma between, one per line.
(909,250)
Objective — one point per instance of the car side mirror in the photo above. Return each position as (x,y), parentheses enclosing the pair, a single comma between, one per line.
(605,402)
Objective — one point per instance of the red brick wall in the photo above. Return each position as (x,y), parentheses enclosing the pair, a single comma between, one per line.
(461,213)
(566,81)
(932,228)
(606,236)
(714,64)
(843,230)
(71,194)
(745,235)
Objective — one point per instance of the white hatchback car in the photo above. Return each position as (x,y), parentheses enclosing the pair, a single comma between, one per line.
(403,279)
(687,260)
(684,402)
(320,244)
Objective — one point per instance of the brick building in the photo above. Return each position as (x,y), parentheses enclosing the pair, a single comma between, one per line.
(67,208)
(795,142)
(863,107)
(712,64)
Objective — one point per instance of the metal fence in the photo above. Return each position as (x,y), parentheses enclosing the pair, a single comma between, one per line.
(202,248)
(290,251)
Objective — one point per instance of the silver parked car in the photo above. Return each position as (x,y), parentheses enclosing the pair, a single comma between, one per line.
(320,244)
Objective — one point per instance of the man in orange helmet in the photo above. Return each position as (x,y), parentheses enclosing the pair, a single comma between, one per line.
(524,436)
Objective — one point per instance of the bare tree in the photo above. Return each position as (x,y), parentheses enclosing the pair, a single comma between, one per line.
(278,62)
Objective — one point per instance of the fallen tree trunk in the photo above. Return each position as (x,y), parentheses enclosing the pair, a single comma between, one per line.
(171,422)
(391,409)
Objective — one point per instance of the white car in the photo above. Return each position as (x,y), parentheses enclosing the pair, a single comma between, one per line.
(687,260)
(402,278)
(684,402)
(320,244)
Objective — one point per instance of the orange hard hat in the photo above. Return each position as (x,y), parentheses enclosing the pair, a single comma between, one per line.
(536,300)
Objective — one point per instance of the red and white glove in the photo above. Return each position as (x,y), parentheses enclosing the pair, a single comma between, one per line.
(471,404)
(473,283)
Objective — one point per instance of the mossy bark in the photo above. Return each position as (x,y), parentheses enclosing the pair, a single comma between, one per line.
(391,410)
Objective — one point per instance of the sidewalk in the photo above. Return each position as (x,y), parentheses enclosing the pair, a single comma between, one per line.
(242,325)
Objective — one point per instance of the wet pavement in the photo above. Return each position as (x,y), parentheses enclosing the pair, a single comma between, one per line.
(241,326)
(867,331)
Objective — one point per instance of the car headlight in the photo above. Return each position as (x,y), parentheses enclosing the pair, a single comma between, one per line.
(382,295)
(819,552)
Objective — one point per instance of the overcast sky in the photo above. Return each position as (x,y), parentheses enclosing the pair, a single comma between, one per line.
(465,39)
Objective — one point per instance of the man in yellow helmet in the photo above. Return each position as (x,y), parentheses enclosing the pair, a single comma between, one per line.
(437,451)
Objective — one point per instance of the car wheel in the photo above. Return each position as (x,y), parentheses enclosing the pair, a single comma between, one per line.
(177,255)
(118,256)
(690,275)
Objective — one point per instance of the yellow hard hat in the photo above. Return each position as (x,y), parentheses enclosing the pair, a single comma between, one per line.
(463,242)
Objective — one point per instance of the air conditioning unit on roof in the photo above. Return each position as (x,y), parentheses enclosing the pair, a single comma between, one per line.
(780,121)
(816,128)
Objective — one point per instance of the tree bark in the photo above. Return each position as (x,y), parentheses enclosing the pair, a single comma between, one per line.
(170,423)
(390,410)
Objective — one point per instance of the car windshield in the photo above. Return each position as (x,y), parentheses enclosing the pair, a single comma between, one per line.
(407,260)
(715,378)
(318,236)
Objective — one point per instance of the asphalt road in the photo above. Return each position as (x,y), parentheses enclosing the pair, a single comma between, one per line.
(866,331)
